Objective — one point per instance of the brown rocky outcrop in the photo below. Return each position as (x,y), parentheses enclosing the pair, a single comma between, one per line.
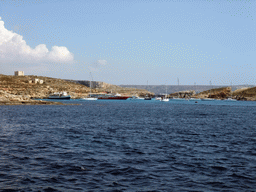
(245,94)
(218,93)
(21,88)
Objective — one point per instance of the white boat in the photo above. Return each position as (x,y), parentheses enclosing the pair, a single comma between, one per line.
(90,98)
(59,95)
(165,97)
(158,98)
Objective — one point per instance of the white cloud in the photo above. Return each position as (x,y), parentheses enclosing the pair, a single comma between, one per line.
(14,49)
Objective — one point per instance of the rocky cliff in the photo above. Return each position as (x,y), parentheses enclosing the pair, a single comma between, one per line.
(246,94)
(219,93)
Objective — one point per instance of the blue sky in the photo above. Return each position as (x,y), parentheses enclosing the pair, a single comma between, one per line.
(132,41)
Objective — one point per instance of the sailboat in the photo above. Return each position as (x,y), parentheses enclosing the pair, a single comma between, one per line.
(165,98)
(178,96)
(90,98)
(147,97)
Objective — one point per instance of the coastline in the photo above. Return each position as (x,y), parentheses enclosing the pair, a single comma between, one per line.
(33,102)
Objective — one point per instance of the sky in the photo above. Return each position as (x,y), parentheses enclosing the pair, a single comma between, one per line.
(131,41)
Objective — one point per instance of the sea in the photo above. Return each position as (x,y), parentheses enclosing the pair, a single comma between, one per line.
(129,145)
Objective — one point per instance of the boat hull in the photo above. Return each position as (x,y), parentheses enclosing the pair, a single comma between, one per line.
(60,97)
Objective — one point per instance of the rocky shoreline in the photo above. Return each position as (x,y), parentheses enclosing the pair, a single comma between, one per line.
(22,90)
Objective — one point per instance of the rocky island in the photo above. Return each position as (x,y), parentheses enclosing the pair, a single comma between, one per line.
(15,90)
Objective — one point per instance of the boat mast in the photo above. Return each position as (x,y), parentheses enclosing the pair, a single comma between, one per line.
(178,87)
(231,89)
(90,84)
(166,92)
(211,88)
(147,87)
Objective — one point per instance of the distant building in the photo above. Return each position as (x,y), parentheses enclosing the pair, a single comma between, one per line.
(19,73)
(40,81)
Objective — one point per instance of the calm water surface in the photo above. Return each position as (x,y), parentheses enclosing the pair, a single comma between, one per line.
(129,146)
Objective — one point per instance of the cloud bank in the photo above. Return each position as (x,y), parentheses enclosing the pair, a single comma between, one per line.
(14,49)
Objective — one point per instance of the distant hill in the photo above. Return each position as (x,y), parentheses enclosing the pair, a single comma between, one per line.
(161,89)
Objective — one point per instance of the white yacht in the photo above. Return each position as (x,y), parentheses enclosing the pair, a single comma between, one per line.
(90,98)
(165,97)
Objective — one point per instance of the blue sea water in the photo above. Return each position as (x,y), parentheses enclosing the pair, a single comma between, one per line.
(129,146)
